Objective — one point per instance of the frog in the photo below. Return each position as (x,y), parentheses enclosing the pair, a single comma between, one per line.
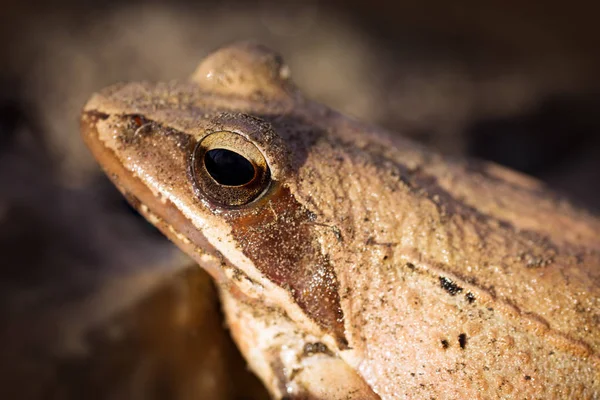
(351,261)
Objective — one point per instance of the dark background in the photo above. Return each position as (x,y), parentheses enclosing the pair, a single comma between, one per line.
(95,303)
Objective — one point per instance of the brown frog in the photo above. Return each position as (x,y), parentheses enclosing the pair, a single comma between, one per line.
(353,263)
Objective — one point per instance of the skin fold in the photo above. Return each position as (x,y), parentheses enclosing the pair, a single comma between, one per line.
(357,264)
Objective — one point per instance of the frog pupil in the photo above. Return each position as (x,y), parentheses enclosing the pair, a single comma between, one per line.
(228,168)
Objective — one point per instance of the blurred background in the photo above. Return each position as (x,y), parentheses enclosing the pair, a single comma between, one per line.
(95,304)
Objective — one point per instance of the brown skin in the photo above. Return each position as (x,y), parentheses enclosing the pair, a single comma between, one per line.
(367,266)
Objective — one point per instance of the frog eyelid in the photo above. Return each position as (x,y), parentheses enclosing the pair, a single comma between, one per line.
(260,134)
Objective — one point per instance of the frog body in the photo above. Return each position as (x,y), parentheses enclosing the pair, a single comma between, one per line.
(352,262)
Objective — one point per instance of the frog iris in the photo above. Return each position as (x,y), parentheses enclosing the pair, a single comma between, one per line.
(228,170)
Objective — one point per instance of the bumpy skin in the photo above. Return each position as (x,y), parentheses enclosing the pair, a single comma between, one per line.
(372,267)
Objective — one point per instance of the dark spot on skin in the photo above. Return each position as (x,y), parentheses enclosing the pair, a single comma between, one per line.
(449,286)
(314,348)
(411,266)
(470,297)
(371,242)
(337,233)
(462,340)
(527,377)
(445,344)
(312,217)
(138,120)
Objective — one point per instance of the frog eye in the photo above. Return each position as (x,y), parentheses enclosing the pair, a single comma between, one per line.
(228,170)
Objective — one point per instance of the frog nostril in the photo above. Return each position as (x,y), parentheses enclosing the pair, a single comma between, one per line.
(228,168)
